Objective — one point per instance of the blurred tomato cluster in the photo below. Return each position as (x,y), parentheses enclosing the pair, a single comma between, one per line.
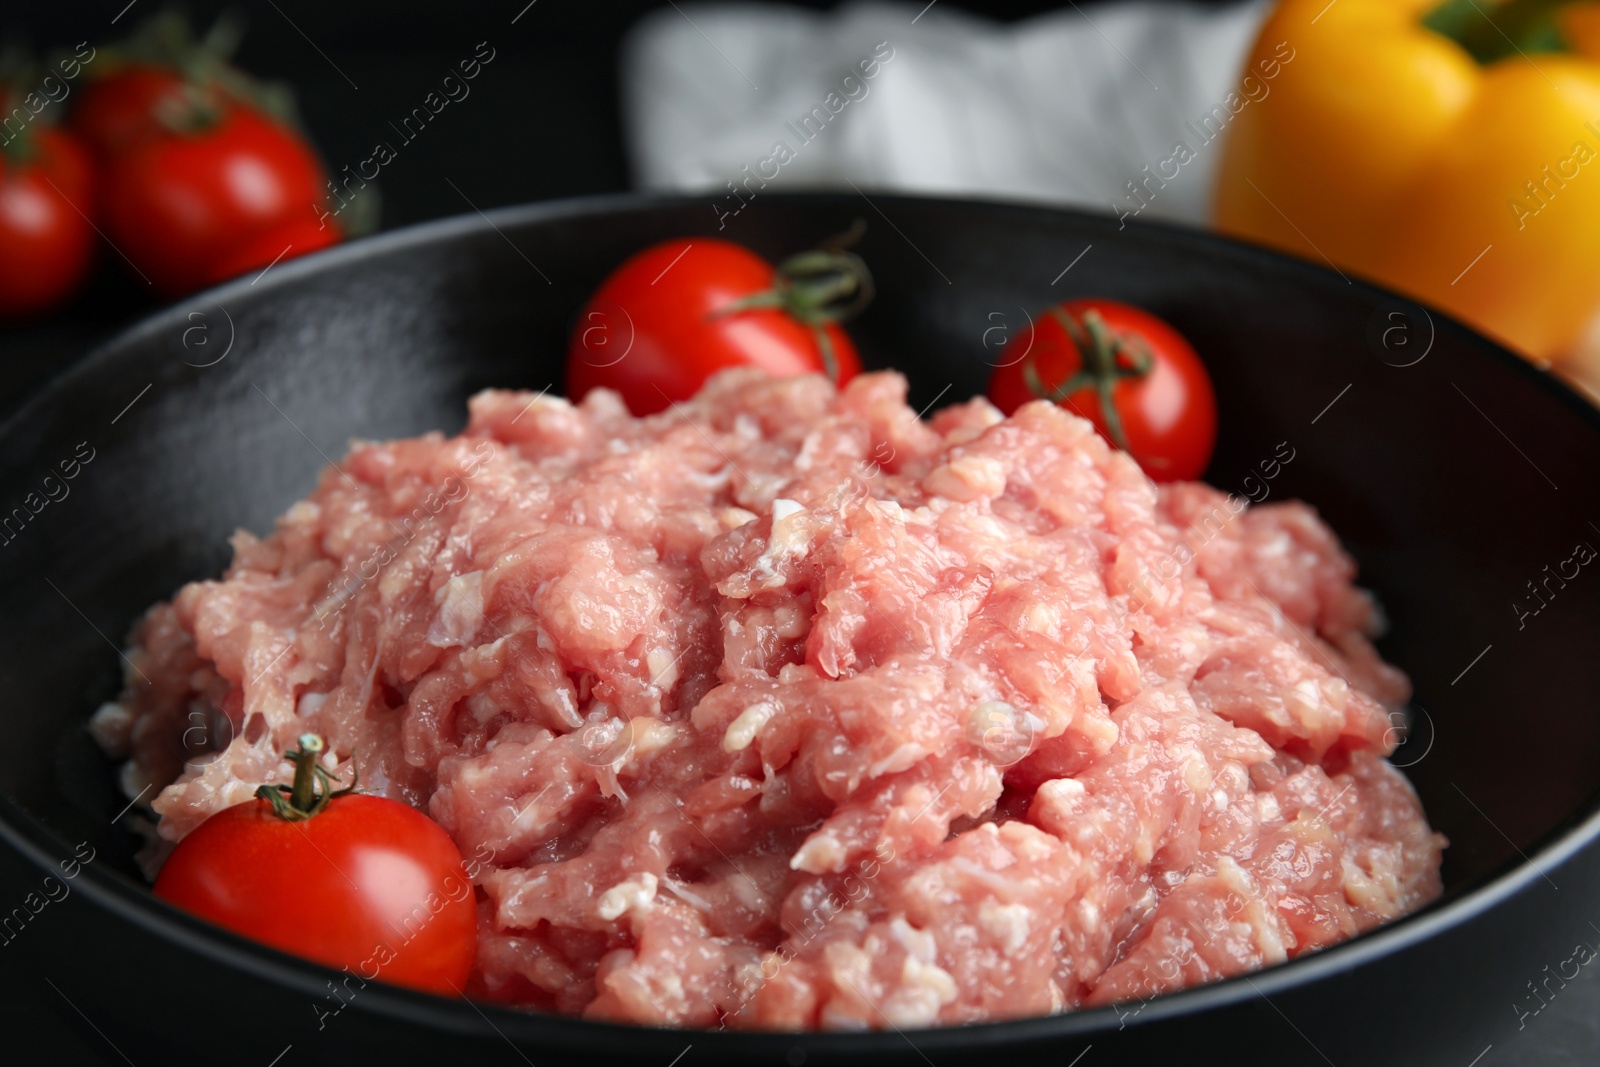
(190,170)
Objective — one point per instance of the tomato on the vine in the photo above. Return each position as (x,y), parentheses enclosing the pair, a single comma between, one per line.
(348,880)
(1132,375)
(47,243)
(676,313)
(297,237)
(118,109)
(191,207)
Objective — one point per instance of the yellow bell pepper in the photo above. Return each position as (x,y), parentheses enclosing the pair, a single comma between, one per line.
(1387,149)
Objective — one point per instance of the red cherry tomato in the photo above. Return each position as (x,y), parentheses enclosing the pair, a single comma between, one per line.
(1124,370)
(117,110)
(47,243)
(366,883)
(664,322)
(294,238)
(180,205)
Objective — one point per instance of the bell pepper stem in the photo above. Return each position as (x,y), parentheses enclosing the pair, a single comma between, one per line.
(1493,31)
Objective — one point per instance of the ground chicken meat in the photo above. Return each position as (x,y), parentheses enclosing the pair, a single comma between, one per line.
(785,708)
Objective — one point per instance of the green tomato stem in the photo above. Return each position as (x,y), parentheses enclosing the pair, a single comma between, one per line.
(1104,359)
(825,285)
(303,793)
(312,789)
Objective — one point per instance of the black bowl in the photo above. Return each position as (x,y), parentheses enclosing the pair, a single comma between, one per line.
(1454,471)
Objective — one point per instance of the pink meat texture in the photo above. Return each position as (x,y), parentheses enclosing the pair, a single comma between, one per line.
(787,709)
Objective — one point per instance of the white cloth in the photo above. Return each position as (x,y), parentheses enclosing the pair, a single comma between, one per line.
(1067,107)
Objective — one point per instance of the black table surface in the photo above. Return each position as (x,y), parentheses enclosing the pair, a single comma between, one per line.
(542,122)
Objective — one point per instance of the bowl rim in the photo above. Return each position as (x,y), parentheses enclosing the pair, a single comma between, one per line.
(121,895)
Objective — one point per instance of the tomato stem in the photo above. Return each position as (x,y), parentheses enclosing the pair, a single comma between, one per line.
(16,73)
(818,288)
(830,361)
(19,150)
(312,789)
(210,81)
(304,791)
(1104,359)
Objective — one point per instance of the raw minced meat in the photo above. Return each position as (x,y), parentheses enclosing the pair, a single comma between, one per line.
(785,708)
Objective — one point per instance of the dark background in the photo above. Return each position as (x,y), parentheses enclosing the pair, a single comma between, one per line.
(542,121)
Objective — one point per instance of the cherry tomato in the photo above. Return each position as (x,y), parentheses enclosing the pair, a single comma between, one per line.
(47,243)
(363,883)
(666,320)
(117,110)
(180,205)
(1124,370)
(294,238)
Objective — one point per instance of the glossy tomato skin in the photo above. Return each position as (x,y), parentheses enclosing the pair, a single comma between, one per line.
(297,237)
(180,204)
(1169,415)
(368,884)
(119,109)
(47,243)
(653,333)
